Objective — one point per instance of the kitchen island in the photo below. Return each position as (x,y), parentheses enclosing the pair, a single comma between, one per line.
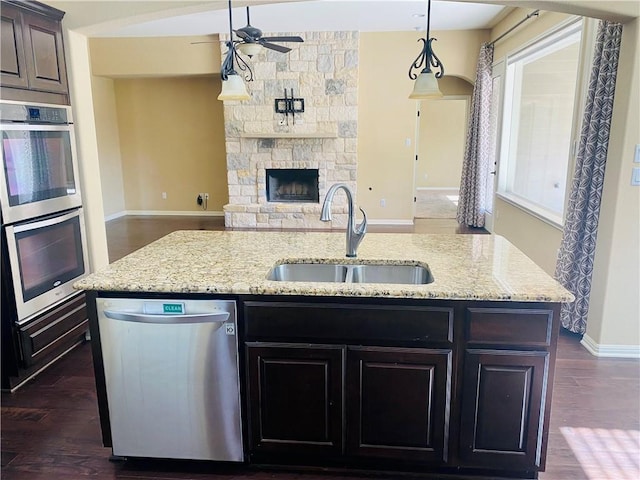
(453,377)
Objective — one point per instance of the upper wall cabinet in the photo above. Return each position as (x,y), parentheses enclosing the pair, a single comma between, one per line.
(32,62)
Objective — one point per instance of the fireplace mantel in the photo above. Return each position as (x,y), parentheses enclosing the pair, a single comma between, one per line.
(289,135)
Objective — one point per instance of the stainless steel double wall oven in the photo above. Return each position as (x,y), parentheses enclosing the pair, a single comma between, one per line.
(40,199)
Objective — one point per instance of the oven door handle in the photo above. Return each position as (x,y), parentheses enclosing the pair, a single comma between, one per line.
(47,222)
(217,317)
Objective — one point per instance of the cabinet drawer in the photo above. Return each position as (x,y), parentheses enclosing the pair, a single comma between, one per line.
(509,326)
(54,331)
(313,322)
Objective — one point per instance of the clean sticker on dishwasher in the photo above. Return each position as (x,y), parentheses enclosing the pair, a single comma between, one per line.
(230,328)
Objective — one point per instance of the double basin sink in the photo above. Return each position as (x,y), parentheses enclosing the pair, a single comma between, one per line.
(351,273)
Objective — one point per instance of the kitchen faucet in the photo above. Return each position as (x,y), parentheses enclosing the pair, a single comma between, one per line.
(355,234)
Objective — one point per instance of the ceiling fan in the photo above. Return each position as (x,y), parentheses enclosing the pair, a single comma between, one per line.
(252,39)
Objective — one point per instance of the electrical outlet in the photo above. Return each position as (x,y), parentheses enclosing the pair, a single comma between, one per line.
(164,195)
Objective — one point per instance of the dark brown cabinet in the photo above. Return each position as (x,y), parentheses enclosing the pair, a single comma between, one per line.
(398,402)
(506,390)
(501,406)
(13,60)
(33,62)
(30,347)
(341,400)
(295,398)
(437,386)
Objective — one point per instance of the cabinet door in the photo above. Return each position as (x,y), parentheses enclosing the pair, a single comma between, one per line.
(398,403)
(502,408)
(295,398)
(12,58)
(44,54)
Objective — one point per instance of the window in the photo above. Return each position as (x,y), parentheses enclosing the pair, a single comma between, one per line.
(540,90)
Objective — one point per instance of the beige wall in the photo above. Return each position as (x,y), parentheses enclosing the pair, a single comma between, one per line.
(450,85)
(172,140)
(155,56)
(104,103)
(387,118)
(533,28)
(441,139)
(615,297)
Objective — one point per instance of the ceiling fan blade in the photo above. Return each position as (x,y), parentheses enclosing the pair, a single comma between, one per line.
(273,46)
(282,39)
(209,41)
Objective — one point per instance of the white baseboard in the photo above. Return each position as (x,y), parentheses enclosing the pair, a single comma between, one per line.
(113,216)
(437,188)
(382,221)
(612,351)
(189,213)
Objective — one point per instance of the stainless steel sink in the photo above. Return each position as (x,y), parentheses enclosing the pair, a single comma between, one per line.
(308,272)
(351,273)
(403,274)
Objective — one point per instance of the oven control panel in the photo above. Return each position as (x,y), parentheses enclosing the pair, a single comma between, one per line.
(25,113)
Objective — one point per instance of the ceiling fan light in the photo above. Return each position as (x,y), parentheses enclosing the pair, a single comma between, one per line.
(425,86)
(233,88)
(250,49)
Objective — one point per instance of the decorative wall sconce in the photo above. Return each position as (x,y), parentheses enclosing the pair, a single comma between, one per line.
(426,85)
(289,105)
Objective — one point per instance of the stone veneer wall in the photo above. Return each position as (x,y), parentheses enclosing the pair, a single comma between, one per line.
(324,72)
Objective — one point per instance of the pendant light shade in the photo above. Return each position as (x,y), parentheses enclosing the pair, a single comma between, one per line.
(233,88)
(425,86)
(250,49)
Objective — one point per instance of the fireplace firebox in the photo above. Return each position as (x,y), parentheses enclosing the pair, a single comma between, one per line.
(292,185)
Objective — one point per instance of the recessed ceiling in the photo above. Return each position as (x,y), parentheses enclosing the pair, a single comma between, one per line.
(323,15)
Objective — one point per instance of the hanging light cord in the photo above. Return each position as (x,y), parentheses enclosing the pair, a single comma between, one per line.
(426,56)
(232,55)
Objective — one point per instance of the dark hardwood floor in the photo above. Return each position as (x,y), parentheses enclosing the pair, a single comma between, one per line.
(50,428)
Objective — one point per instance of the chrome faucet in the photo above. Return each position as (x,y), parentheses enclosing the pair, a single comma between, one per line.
(355,234)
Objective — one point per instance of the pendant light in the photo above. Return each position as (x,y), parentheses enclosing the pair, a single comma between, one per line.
(426,83)
(250,49)
(233,87)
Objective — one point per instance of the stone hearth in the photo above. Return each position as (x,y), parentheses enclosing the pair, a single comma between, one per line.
(324,71)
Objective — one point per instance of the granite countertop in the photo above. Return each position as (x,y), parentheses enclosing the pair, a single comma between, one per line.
(469,267)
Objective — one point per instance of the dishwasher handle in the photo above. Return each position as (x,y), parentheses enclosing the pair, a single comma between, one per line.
(217,317)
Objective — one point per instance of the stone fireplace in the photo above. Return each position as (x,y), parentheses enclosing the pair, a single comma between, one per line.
(264,147)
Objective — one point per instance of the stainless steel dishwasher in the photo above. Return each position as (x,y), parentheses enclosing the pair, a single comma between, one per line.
(171,370)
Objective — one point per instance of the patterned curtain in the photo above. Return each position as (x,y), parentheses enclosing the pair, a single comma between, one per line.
(577,250)
(478,145)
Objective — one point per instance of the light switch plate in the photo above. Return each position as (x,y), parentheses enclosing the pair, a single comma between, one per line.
(635,176)
(636,157)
